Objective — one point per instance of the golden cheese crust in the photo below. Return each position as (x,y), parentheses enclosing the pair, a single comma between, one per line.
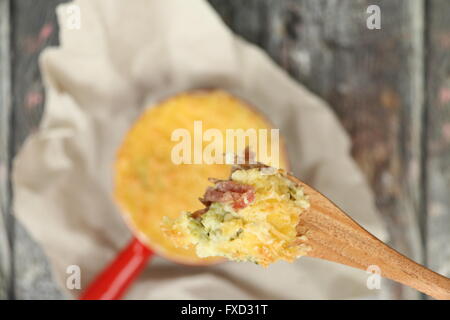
(149,186)
(263,231)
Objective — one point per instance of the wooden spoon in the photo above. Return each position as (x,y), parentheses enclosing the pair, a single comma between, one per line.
(336,237)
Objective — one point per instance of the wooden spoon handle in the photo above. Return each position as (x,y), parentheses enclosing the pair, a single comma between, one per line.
(334,236)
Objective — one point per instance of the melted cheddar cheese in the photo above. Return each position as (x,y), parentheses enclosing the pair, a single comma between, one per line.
(262,232)
(149,186)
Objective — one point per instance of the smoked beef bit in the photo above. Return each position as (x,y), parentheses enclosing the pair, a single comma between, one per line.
(199,213)
(240,195)
(248,162)
(228,191)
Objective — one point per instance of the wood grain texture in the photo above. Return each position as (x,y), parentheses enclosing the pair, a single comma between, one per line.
(5,110)
(33,28)
(332,235)
(373,79)
(31,33)
(438,137)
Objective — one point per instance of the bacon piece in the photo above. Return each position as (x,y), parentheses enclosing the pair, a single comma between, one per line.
(199,213)
(247,162)
(240,195)
(244,200)
(249,166)
(232,186)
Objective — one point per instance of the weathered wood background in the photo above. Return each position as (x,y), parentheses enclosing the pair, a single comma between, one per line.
(389,87)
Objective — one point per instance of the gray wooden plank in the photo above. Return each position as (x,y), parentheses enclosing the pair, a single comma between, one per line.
(372,78)
(438,135)
(31,33)
(5,108)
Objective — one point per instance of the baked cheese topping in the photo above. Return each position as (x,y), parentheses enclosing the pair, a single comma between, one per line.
(250,217)
(148,185)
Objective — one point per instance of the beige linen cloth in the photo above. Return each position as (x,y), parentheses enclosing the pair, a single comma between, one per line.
(124,56)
